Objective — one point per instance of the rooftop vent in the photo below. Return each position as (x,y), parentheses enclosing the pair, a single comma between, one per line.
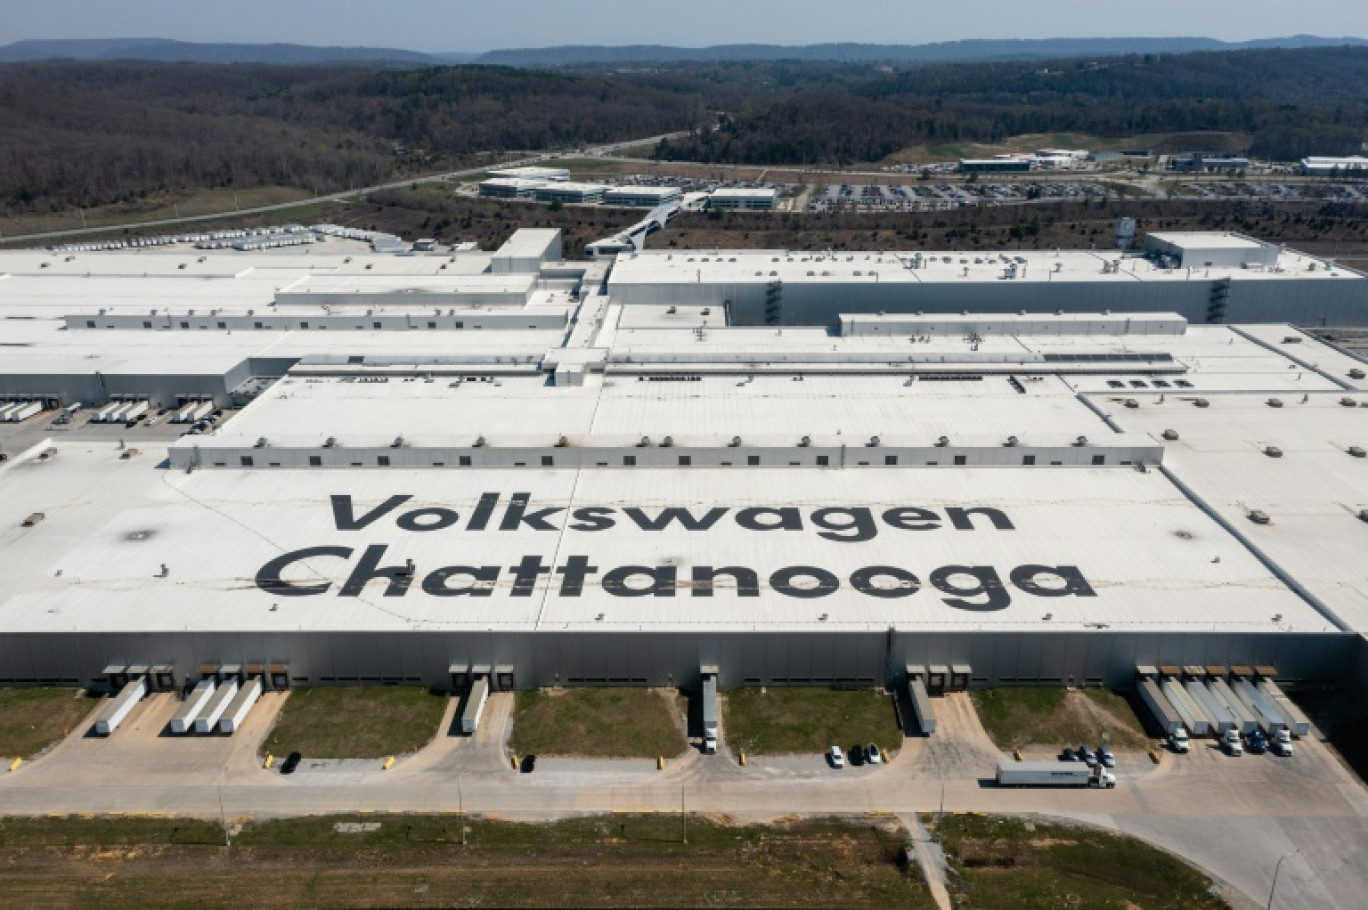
(330,442)
(1356,373)
(1275,402)
(1201,402)
(1348,402)
(260,443)
(1171,435)
(1081,441)
(1011,442)
(873,442)
(805,442)
(1273,451)
(643,442)
(1356,451)
(1132,403)
(1259,517)
(398,443)
(667,442)
(735,441)
(942,442)
(561,442)
(479,442)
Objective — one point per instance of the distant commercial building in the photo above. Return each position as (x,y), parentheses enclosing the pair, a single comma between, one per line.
(1200,162)
(643,196)
(1354,166)
(547,174)
(994,165)
(744,200)
(570,192)
(510,187)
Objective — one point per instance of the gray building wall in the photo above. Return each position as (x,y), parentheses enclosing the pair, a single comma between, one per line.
(673,658)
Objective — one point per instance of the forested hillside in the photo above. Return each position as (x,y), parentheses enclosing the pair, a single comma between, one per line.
(95,133)
(92,133)
(1293,102)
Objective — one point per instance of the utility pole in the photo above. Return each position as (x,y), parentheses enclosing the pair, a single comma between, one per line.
(683,815)
(460,798)
(1276,870)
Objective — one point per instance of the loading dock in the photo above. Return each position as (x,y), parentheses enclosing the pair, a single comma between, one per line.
(504,679)
(1246,721)
(1297,720)
(1193,716)
(1218,715)
(184,719)
(120,707)
(1270,718)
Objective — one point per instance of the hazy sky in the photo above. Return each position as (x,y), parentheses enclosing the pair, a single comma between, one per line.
(453,25)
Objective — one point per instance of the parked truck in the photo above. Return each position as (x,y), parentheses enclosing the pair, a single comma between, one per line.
(1053,774)
(709,713)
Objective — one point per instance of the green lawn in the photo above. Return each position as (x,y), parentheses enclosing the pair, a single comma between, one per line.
(597,723)
(791,720)
(1054,716)
(356,721)
(33,719)
(1015,864)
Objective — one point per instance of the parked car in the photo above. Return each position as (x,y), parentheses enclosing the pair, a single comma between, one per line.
(1069,754)
(291,762)
(1231,742)
(873,755)
(835,757)
(529,764)
(1258,743)
(1282,743)
(856,755)
(1104,755)
(1178,740)
(1088,756)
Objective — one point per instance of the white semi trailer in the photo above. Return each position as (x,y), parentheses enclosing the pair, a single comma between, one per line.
(1053,774)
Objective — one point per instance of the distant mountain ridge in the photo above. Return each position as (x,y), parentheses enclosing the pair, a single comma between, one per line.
(971,50)
(165,50)
(967,51)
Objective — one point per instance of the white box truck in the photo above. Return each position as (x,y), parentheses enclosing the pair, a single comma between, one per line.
(121,706)
(184,719)
(218,703)
(1053,774)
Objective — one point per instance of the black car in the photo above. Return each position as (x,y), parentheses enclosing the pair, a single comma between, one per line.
(291,762)
(856,755)
(529,764)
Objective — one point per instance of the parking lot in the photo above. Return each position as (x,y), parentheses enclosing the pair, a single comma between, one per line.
(933,197)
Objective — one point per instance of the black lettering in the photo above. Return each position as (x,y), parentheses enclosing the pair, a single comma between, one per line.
(861,521)
(525,575)
(910,519)
(516,514)
(960,518)
(368,569)
(484,510)
(988,586)
(704,578)
(592,518)
(664,580)
(484,578)
(686,519)
(418,519)
(345,518)
(788,519)
(1075,585)
(906,585)
(268,576)
(782,582)
(575,570)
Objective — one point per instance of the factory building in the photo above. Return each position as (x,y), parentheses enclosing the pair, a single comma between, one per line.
(566,473)
(571,193)
(1353,166)
(510,187)
(544,174)
(642,196)
(746,200)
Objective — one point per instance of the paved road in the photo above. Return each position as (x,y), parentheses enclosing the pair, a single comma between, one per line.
(1233,817)
(334,197)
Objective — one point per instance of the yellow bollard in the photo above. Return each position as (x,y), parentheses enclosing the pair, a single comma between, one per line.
(14,765)
(1016,753)
(389,763)
(884,754)
(660,763)
(1154,756)
(514,757)
(743,759)
(270,760)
